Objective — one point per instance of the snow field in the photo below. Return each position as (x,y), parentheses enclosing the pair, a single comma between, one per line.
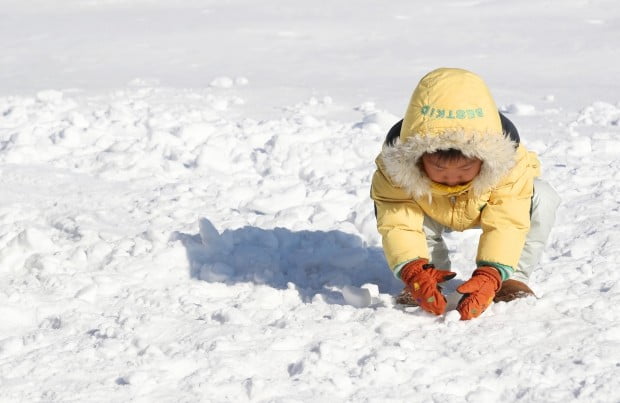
(217,243)
(155,245)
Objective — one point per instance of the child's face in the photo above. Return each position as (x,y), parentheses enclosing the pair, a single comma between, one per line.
(451,172)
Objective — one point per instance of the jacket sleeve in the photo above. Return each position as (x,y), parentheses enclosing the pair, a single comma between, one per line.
(505,222)
(399,221)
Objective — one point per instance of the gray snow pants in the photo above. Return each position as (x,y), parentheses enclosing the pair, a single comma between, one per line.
(545,202)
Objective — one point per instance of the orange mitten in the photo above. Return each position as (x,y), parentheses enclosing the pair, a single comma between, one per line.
(478,292)
(422,280)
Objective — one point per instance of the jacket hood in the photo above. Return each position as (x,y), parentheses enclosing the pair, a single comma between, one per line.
(450,108)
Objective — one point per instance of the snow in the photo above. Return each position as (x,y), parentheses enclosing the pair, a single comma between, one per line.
(185,212)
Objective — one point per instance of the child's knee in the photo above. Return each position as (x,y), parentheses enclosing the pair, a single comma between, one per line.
(545,195)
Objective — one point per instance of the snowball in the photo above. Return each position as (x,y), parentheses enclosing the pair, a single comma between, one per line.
(358,297)
(373,289)
(452,316)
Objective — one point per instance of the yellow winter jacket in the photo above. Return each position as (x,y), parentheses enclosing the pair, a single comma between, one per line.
(453,108)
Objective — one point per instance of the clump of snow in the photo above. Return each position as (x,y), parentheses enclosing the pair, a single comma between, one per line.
(222,82)
(50,96)
(241,81)
(375,120)
(519,109)
(358,297)
(600,113)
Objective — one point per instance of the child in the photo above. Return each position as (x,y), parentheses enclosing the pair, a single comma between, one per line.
(455,163)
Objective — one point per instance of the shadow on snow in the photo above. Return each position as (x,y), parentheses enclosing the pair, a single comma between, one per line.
(315,262)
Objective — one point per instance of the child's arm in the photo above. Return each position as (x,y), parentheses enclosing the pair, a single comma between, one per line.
(505,222)
(399,221)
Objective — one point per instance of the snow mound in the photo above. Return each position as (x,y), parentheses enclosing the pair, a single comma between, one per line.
(374,120)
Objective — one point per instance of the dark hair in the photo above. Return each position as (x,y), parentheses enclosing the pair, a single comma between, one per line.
(449,154)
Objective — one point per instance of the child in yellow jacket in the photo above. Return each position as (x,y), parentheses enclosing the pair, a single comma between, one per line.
(455,163)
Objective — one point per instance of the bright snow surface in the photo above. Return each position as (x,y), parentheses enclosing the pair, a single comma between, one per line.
(184,209)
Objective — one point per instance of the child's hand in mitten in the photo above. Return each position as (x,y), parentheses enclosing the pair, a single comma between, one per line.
(478,292)
(422,280)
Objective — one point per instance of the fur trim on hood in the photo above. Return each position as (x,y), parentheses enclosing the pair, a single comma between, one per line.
(403,166)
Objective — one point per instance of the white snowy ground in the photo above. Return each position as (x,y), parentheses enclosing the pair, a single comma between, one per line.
(204,233)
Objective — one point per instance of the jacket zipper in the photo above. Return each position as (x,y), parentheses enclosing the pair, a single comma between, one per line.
(453,203)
